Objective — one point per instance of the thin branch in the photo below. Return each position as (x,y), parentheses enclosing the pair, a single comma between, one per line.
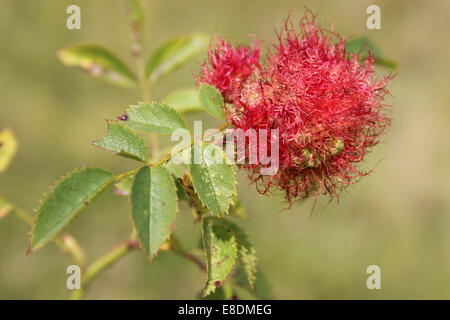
(100,265)
(176,247)
(195,260)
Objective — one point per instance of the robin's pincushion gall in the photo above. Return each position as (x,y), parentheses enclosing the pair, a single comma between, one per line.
(326,103)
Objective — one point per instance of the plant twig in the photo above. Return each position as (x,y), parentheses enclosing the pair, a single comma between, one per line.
(195,260)
(125,174)
(176,247)
(144,84)
(100,265)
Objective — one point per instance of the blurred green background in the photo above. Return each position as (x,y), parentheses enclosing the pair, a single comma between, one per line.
(397,218)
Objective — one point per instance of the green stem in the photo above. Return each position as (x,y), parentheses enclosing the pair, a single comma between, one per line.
(125,174)
(98,266)
(22,214)
(196,260)
(144,84)
(70,245)
(177,248)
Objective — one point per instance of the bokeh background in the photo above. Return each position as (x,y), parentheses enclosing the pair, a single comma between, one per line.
(397,218)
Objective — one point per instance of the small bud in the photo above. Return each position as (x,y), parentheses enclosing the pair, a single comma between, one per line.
(337,147)
(123,117)
(310,160)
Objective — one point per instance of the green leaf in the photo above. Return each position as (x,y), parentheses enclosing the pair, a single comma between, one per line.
(363,45)
(124,142)
(153,207)
(221,252)
(224,292)
(173,54)
(247,253)
(98,62)
(215,183)
(154,118)
(177,172)
(181,193)
(123,187)
(237,210)
(8,148)
(68,197)
(5,207)
(261,291)
(184,100)
(212,100)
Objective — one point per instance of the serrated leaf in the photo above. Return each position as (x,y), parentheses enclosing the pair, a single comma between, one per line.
(247,252)
(261,291)
(181,193)
(224,292)
(215,183)
(153,207)
(177,172)
(173,54)
(5,207)
(124,142)
(67,198)
(98,62)
(154,118)
(123,187)
(212,100)
(363,45)
(238,210)
(8,148)
(221,252)
(184,100)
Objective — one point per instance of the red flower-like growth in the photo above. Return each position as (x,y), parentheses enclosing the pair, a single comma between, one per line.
(326,103)
(228,67)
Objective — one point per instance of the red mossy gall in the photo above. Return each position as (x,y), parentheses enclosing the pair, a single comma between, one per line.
(326,103)
(228,67)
